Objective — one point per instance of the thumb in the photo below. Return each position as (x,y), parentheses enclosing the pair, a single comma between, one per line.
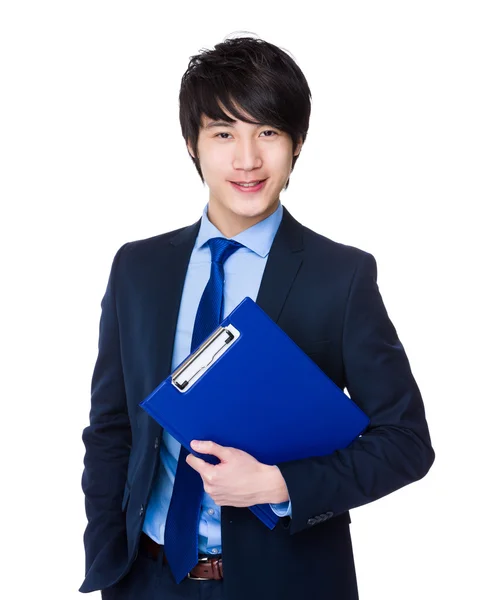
(209,447)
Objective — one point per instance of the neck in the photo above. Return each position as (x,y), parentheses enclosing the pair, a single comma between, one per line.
(231,224)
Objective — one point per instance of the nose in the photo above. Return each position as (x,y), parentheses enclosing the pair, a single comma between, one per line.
(247,156)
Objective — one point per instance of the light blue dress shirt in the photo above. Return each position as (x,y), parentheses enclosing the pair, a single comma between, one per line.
(243,274)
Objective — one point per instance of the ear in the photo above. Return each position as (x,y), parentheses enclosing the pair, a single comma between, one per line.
(299,146)
(190,150)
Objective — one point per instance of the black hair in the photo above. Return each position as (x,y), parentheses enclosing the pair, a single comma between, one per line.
(258,76)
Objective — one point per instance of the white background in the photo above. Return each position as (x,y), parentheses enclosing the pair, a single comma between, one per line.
(92,156)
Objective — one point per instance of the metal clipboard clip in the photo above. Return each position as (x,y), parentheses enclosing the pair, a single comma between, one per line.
(204,357)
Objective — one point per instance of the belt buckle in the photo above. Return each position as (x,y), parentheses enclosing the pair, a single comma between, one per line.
(202,559)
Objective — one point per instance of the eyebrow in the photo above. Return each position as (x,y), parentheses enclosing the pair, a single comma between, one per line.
(225,124)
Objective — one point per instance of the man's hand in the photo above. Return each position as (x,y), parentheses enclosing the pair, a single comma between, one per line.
(239,479)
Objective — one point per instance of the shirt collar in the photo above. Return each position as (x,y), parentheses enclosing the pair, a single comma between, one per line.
(258,237)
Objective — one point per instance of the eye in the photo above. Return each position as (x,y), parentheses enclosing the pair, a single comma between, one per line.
(265,131)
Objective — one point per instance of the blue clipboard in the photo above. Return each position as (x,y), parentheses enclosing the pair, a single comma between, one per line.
(250,386)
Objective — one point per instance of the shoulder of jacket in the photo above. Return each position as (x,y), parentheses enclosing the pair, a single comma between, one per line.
(336,251)
(145,248)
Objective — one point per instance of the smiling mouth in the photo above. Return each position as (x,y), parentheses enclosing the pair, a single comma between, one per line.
(253,186)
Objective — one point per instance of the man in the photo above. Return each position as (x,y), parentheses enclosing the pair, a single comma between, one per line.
(163,523)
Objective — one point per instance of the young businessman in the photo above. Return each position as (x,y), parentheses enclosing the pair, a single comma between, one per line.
(163,523)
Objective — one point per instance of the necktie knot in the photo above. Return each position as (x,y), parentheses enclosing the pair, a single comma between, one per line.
(221,249)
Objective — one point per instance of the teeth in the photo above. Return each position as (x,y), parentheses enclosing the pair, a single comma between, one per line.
(252,184)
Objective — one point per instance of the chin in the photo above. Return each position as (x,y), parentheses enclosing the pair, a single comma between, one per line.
(250,209)
(249,204)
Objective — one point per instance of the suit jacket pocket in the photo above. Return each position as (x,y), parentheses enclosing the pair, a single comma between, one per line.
(126,494)
(316,347)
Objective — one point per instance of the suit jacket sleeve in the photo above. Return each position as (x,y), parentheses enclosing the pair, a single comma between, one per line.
(107,439)
(395,450)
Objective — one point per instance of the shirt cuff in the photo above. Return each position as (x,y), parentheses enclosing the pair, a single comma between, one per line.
(283,509)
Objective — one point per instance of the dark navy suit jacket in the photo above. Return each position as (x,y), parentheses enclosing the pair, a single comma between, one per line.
(324,295)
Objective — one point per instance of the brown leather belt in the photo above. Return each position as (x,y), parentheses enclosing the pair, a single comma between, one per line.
(208,567)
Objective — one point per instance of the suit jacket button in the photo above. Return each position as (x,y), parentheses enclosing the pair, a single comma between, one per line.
(311,522)
(329,514)
(141,511)
(156,443)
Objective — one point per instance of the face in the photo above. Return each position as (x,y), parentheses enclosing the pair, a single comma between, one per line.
(237,152)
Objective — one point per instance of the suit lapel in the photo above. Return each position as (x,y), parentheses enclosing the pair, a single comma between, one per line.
(282,266)
(175,266)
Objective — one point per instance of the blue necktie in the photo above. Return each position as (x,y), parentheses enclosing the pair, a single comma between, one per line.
(182,523)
